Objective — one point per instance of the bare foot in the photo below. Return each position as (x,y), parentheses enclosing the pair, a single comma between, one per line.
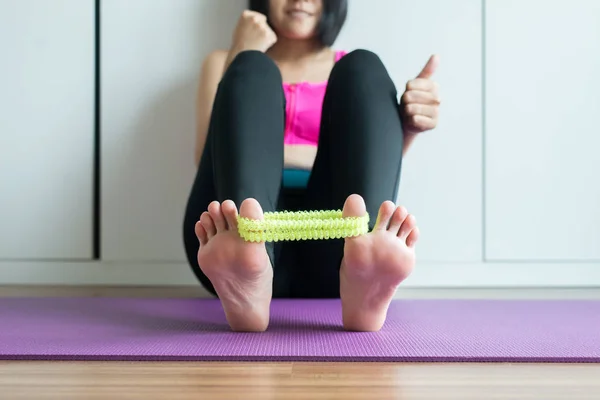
(375,264)
(240,271)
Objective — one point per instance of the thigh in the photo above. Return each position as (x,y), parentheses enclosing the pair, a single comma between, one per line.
(360,152)
(243,154)
(361,138)
(247,127)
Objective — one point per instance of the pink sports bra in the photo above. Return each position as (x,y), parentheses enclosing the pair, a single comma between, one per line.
(304,101)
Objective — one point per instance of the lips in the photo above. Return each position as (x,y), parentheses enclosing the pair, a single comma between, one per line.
(299,13)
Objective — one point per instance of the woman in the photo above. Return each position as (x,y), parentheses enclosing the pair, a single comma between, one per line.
(281,102)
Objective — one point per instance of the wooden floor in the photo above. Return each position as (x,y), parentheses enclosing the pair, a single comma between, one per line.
(170,381)
(191,380)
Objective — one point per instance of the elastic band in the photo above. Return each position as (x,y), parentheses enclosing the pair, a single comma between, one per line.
(302,225)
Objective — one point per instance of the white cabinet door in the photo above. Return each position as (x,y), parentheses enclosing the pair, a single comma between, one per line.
(151,57)
(441,179)
(46,129)
(542,137)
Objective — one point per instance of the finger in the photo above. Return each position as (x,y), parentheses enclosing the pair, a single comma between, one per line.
(429,68)
(259,18)
(421,123)
(254,14)
(424,85)
(420,97)
(415,109)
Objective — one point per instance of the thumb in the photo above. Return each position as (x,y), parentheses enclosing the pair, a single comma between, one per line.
(429,68)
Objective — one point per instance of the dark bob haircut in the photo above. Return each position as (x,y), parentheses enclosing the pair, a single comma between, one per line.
(332,20)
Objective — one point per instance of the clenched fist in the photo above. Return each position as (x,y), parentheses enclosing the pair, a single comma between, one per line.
(253,33)
(420,102)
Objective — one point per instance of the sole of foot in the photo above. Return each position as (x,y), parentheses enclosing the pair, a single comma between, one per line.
(375,264)
(240,271)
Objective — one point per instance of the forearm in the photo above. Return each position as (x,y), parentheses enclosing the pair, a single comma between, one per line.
(233,52)
(299,156)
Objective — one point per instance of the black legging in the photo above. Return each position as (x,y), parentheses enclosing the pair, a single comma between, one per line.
(360,151)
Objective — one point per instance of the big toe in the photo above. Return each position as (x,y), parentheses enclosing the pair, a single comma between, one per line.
(251,209)
(354,207)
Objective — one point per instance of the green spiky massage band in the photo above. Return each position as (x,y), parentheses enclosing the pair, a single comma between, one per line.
(302,225)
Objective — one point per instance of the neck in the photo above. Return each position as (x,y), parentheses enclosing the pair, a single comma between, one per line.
(291,50)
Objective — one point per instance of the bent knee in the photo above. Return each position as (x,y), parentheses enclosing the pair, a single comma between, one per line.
(254,62)
(253,57)
(360,70)
(360,61)
(362,56)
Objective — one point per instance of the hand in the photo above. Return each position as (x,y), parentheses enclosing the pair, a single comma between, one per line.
(419,105)
(253,33)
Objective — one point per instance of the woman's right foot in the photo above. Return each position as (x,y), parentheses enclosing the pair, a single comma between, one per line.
(240,271)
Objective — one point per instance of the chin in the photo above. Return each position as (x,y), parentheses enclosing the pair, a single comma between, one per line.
(298,34)
(300,37)
(296,30)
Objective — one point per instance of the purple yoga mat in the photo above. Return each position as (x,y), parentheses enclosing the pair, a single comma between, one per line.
(308,330)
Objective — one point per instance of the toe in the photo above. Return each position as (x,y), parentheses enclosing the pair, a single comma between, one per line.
(412,238)
(251,209)
(214,209)
(354,207)
(201,233)
(230,213)
(407,227)
(386,211)
(398,218)
(208,224)
(383,217)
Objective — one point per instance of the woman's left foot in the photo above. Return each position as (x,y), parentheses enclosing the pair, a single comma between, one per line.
(375,264)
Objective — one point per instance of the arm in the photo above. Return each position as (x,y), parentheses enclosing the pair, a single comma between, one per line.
(210,75)
(252,33)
